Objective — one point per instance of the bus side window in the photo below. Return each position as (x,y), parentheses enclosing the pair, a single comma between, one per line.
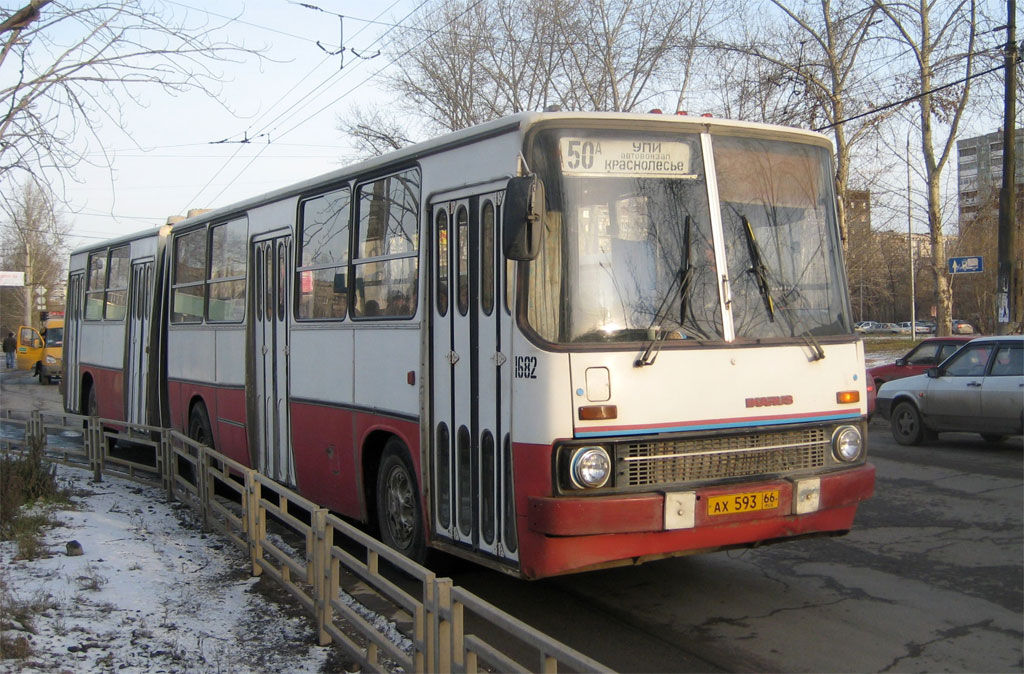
(96,286)
(189,284)
(322,274)
(227,271)
(118,270)
(385,261)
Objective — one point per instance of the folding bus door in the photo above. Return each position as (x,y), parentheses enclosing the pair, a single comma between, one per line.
(269,358)
(140,298)
(470,459)
(72,342)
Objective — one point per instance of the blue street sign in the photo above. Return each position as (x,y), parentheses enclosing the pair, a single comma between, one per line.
(966,265)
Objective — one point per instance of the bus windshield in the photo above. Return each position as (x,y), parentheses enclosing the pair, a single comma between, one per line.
(629,252)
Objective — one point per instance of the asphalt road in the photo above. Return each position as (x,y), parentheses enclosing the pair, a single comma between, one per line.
(929,580)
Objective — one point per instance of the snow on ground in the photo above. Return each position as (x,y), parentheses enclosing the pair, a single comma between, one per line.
(882,357)
(151,593)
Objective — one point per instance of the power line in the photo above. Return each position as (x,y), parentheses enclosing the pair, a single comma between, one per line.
(281,117)
(904,101)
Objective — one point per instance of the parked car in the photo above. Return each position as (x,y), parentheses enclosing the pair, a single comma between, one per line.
(962,327)
(917,328)
(883,329)
(980,388)
(928,353)
(863,326)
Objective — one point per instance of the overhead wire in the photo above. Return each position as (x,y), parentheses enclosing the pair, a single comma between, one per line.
(266,127)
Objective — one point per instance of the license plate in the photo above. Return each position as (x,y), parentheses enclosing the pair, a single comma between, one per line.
(731,504)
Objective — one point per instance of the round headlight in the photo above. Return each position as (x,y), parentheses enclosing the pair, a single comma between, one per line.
(590,467)
(847,443)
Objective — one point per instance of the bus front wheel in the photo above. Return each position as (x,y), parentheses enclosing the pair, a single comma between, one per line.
(398,503)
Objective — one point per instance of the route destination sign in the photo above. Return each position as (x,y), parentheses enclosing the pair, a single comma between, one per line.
(598,157)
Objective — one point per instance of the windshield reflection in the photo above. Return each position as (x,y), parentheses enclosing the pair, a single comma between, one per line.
(628,253)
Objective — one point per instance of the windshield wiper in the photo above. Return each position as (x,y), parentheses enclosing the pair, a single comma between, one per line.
(760,272)
(682,277)
(757,268)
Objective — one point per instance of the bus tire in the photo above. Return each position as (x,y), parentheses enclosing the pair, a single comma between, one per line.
(399,515)
(199,426)
(92,406)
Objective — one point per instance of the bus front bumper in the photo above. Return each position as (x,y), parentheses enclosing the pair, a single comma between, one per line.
(573,534)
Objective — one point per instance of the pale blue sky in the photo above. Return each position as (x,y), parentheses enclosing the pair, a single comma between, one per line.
(172,162)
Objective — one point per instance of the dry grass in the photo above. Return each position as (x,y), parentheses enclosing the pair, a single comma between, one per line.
(25,481)
(886,344)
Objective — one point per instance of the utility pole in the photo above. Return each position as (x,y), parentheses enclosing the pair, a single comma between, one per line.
(28,284)
(910,250)
(1010,278)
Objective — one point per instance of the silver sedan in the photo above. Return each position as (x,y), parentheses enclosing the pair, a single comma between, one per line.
(980,388)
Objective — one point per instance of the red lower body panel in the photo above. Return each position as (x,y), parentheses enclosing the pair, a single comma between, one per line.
(108,385)
(562,535)
(225,407)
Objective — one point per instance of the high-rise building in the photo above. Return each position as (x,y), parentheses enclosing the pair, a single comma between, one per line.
(980,172)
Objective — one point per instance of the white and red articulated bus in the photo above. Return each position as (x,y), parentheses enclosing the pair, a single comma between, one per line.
(549,343)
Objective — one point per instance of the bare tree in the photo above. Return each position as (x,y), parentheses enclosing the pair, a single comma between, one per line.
(465,62)
(67,67)
(940,36)
(812,49)
(374,131)
(32,239)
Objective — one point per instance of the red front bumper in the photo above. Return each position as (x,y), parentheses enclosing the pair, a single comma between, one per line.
(573,534)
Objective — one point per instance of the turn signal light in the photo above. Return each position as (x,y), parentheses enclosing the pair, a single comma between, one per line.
(848,397)
(598,412)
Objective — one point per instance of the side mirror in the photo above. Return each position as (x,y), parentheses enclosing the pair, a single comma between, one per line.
(934,373)
(522,219)
(900,362)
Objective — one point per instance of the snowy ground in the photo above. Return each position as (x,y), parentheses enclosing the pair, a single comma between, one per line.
(151,593)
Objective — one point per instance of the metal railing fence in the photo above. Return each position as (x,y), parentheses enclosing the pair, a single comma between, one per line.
(381,609)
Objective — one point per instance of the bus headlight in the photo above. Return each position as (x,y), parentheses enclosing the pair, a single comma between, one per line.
(50,360)
(590,467)
(847,443)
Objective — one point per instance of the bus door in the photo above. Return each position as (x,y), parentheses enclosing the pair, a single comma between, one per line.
(72,341)
(30,347)
(140,291)
(269,357)
(471,338)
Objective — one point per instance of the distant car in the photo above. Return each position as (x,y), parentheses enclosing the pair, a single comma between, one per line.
(871,327)
(980,389)
(919,328)
(928,353)
(882,329)
(962,327)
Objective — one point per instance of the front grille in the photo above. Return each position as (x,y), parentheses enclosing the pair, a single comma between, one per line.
(717,457)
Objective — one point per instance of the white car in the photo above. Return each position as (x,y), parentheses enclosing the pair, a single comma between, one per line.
(980,388)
